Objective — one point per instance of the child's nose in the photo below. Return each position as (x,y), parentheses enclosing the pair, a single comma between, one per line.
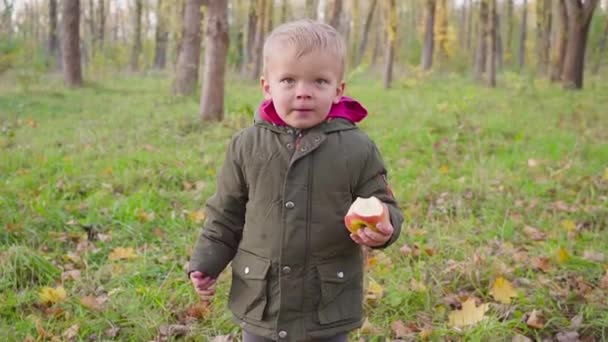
(303,91)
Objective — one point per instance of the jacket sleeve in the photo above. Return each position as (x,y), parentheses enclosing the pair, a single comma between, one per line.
(222,230)
(373,181)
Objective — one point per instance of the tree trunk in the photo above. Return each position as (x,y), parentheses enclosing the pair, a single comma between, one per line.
(136,49)
(470,19)
(162,37)
(391,34)
(441,31)
(70,42)
(311,7)
(429,37)
(335,16)
(366,29)
(102,23)
(248,53)
(510,25)
(6,25)
(560,40)
(189,56)
(579,18)
(259,40)
(92,26)
(53,43)
(601,49)
(523,34)
(321,7)
(481,54)
(216,49)
(498,46)
(491,44)
(284,10)
(543,26)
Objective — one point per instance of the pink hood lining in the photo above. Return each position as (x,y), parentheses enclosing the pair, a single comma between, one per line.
(347,108)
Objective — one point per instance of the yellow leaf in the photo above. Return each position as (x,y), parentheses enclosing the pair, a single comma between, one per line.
(444,169)
(197,216)
(122,253)
(50,295)
(562,255)
(468,315)
(569,225)
(606,174)
(503,291)
(144,217)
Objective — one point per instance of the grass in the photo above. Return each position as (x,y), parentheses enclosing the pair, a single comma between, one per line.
(121,163)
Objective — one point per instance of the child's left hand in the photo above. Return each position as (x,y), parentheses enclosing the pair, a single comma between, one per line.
(367,237)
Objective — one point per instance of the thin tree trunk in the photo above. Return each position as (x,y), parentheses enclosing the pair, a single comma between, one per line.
(189,56)
(523,34)
(366,29)
(92,26)
(429,37)
(391,34)
(470,19)
(136,49)
(543,26)
(70,42)
(162,37)
(321,7)
(498,46)
(7,19)
(601,49)
(101,27)
(560,40)
(248,55)
(579,20)
(216,49)
(259,40)
(53,43)
(491,45)
(481,60)
(510,25)
(335,16)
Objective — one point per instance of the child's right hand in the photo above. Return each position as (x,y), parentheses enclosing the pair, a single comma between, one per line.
(204,285)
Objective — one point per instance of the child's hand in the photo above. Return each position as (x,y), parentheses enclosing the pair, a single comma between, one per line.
(367,237)
(204,285)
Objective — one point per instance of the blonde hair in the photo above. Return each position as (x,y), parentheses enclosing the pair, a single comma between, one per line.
(307,36)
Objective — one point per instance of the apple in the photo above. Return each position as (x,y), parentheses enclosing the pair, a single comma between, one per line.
(365,212)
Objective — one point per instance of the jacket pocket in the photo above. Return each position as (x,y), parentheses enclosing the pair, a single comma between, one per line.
(248,295)
(341,292)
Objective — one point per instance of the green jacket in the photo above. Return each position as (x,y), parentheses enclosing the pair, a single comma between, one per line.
(278,215)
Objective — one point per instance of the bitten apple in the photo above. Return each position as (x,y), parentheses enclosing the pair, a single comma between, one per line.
(365,212)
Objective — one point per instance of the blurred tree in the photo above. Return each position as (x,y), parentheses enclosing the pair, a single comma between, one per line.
(70,42)
(189,55)
(161,37)
(481,51)
(601,48)
(579,17)
(136,48)
(53,42)
(365,35)
(429,39)
(522,35)
(390,24)
(559,40)
(491,44)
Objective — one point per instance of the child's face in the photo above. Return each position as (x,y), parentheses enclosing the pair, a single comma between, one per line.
(302,88)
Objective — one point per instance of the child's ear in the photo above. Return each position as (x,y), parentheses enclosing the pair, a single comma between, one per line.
(265,88)
(339,91)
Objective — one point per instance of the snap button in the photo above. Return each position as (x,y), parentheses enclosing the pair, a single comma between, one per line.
(282,334)
(289,146)
(246,270)
(317,139)
(340,274)
(304,149)
(289,131)
(286,269)
(290,205)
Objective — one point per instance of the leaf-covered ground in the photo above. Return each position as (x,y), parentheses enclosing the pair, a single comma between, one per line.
(505,194)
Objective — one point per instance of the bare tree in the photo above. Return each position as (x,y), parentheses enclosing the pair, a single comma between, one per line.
(543,33)
(53,43)
(190,52)
(601,49)
(101,27)
(510,24)
(336,13)
(321,8)
(248,53)
(366,29)
(481,52)
(523,34)
(6,25)
(491,44)
(391,34)
(560,40)
(429,36)
(579,17)
(162,37)
(259,40)
(70,42)
(216,49)
(136,48)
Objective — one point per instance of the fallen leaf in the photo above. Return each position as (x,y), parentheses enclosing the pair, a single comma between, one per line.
(367,328)
(503,291)
(541,263)
(534,234)
(408,251)
(199,310)
(71,333)
(444,169)
(417,286)
(112,332)
(144,216)
(593,256)
(521,338)
(604,282)
(173,330)
(532,163)
(569,225)
(92,303)
(562,255)
(197,216)
(374,293)
(223,338)
(606,174)
(400,329)
(70,275)
(469,314)
(120,253)
(567,336)
(104,237)
(576,321)
(536,319)
(50,295)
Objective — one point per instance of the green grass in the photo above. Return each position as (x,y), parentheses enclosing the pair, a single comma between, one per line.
(121,157)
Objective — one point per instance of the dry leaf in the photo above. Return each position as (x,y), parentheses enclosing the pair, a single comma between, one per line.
(374,293)
(593,256)
(199,310)
(400,329)
(576,321)
(112,332)
(534,234)
(197,216)
(469,314)
(408,251)
(173,330)
(367,328)
(541,263)
(223,338)
(120,253)
(144,217)
(569,225)
(49,295)
(70,275)
(71,333)
(562,255)
(503,291)
(536,319)
(604,282)
(417,286)
(92,303)
(521,338)
(567,336)
(444,169)
(532,163)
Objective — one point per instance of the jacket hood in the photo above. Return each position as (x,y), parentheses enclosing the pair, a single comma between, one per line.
(347,108)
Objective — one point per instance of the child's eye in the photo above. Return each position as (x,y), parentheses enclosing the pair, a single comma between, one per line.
(321,81)
(288,80)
